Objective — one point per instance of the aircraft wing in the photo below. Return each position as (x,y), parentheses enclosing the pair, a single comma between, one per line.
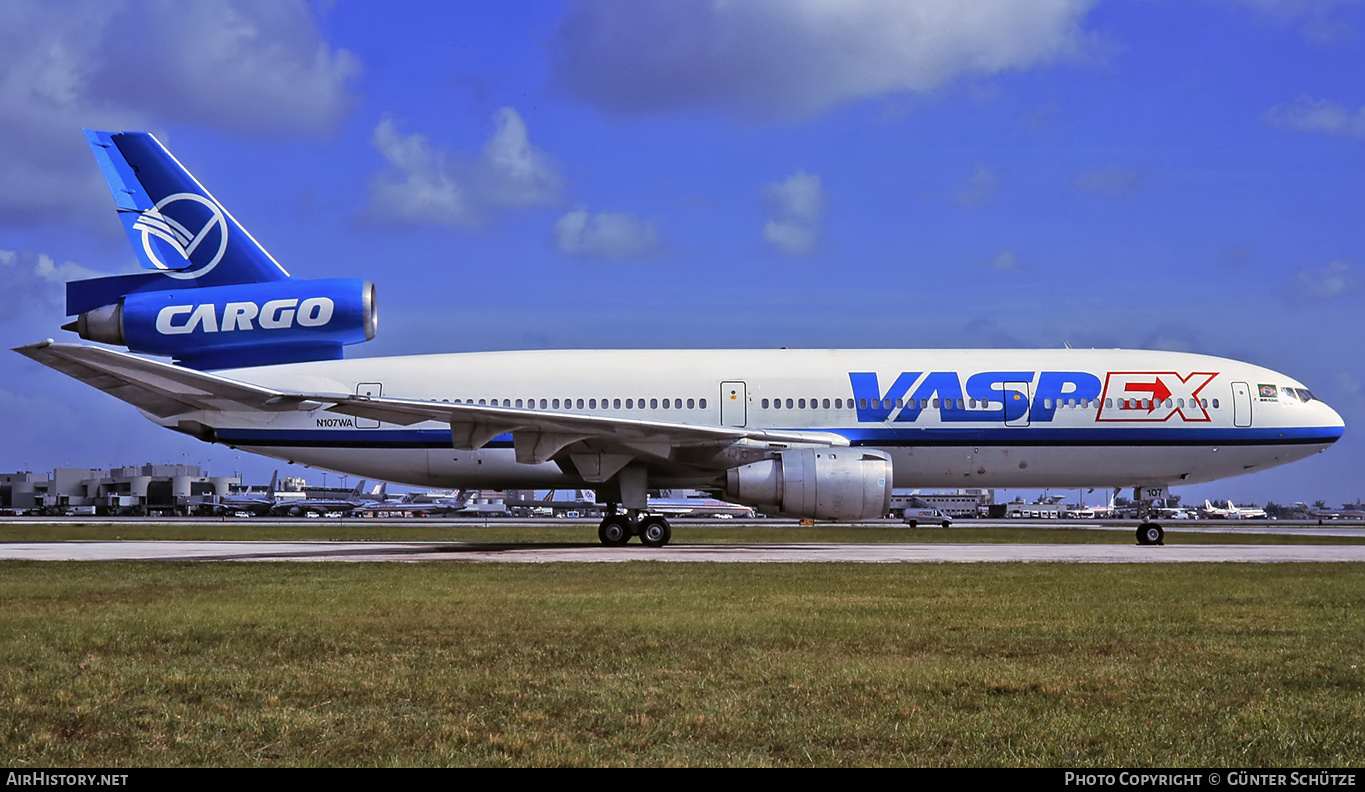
(165,389)
(539,434)
(160,388)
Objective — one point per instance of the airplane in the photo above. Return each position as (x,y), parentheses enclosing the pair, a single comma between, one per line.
(1246,512)
(303,507)
(416,505)
(1233,512)
(698,507)
(821,434)
(1329,514)
(1106,510)
(255,505)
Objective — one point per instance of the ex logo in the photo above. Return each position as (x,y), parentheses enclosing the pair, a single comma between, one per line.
(1153,396)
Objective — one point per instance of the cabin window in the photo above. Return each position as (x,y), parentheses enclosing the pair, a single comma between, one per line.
(801,403)
(1215,404)
(690,403)
(765,403)
(702,403)
(825,404)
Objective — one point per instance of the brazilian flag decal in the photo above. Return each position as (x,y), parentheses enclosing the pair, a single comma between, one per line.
(1267,391)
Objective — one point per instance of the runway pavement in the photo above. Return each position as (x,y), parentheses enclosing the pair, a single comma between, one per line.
(733,553)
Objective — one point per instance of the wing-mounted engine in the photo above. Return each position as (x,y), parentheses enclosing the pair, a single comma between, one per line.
(241,324)
(842,484)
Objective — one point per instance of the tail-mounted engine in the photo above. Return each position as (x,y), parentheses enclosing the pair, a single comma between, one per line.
(248,324)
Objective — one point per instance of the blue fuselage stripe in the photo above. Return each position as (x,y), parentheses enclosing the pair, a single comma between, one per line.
(880,437)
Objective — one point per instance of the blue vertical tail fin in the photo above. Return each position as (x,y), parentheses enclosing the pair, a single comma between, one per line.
(211,297)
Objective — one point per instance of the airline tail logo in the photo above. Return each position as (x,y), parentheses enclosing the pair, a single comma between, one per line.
(1153,396)
(192,222)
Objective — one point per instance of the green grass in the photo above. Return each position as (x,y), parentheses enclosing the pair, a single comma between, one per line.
(138,664)
(576,531)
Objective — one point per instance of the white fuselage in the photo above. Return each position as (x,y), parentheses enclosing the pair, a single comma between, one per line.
(948,418)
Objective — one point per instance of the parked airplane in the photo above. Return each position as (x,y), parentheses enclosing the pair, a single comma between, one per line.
(1329,514)
(1233,511)
(255,505)
(697,507)
(302,507)
(816,433)
(416,505)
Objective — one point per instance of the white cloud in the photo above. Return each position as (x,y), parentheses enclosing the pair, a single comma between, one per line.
(796,205)
(253,66)
(1004,261)
(510,171)
(1111,182)
(1318,20)
(429,186)
(1324,283)
(36,283)
(980,188)
(609,235)
(1307,114)
(793,58)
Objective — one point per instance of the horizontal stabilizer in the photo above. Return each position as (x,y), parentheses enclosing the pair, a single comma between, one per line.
(162,389)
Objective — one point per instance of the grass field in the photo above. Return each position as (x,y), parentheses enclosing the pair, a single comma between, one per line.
(142,664)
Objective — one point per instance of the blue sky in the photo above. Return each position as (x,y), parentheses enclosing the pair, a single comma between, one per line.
(1153,174)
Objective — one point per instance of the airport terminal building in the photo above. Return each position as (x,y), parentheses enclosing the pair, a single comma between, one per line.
(133,490)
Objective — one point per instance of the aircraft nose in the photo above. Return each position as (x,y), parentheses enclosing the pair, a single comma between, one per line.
(1332,420)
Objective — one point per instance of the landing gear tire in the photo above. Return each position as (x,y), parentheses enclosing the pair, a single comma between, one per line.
(614,531)
(1150,534)
(655,532)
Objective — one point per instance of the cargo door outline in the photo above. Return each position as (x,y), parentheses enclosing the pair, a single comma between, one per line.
(734,403)
(1241,404)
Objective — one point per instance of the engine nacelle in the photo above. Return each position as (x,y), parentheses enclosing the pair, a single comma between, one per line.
(249,324)
(844,484)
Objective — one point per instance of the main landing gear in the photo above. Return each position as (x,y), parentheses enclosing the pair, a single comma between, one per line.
(616,529)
